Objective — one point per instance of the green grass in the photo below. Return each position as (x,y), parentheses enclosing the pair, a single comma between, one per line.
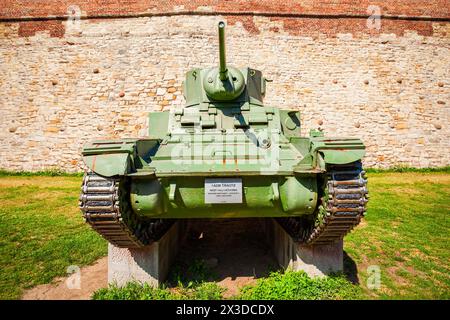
(137,291)
(44,173)
(41,232)
(287,285)
(401,169)
(405,234)
(195,283)
(298,286)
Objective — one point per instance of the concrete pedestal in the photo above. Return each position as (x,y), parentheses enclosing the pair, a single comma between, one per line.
(315,260)
(146,265)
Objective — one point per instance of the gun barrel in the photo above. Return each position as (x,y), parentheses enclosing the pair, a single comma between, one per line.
(223,71)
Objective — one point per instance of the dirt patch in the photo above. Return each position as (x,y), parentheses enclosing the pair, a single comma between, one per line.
(362,224)
(409,191)
(92,278)
(393,272)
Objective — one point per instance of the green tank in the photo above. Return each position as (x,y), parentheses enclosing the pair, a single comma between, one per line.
(226,154)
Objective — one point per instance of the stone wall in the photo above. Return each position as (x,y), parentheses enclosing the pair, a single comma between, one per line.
(64,83)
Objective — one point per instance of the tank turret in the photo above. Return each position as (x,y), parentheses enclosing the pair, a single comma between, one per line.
(223,83)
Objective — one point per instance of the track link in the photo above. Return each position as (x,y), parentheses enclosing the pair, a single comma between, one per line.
(342,206)
(105,205)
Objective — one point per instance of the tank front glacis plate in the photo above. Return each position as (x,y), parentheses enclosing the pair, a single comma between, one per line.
(233,153)
(218,139)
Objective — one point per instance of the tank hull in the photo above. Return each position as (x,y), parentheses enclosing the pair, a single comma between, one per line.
(224,197)
(107,205)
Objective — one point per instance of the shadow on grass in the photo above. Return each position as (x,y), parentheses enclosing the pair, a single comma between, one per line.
(350,269)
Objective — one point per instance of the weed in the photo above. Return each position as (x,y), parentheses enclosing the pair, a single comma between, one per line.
(299,286)
(138,291)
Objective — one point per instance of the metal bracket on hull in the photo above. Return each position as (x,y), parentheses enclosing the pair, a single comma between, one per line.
(276,191)
(172,190)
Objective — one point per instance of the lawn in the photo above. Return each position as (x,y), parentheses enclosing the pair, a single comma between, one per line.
(405,235)
(41,232)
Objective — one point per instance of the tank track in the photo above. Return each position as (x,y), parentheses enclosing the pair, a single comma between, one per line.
(342,205)
(105,205)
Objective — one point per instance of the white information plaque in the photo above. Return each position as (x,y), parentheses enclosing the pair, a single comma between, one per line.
(223,190)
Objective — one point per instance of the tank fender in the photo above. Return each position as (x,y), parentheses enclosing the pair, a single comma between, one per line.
(109,158)
(338,150)
(108,165)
